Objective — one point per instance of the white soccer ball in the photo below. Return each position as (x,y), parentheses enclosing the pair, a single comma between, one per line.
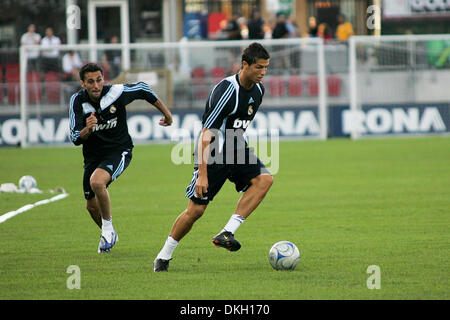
(27,183)
(284,255)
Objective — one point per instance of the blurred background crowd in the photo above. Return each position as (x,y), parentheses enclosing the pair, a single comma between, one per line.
(50,23)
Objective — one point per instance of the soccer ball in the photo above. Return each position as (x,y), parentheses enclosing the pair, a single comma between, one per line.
(27,183)
(284,255)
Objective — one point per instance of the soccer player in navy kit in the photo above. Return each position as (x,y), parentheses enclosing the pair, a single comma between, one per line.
(222,153)
(98,121)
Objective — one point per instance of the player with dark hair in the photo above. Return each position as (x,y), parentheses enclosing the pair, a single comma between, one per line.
(222,153)
(98,121)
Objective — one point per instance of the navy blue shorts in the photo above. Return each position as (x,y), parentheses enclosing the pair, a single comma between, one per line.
(239,174)
(114,163)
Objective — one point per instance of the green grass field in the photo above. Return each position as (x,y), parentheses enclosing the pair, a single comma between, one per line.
(346,204)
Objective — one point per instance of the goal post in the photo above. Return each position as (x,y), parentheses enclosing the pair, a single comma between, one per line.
(397,85)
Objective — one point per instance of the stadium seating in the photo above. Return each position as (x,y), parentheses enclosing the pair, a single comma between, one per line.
(334,84)
(1,85)
(200,83)
(313,86)
(12,79)
(217,74)
(276,86)
(12,67)
(198,73)
(52,87)
(34,87)
(295,87)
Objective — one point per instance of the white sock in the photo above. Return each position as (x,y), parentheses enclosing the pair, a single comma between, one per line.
(167,251)
(234,223)
(107,228)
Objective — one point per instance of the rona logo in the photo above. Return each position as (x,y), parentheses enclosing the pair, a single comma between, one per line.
(395,120)
(112,123)
(238,123)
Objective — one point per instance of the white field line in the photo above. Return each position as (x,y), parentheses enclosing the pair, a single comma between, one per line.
(27,207)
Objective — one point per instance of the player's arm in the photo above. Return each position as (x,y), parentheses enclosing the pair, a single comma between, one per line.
(166,120)
(220,104)
(80,129)
(141,90)
(91,122)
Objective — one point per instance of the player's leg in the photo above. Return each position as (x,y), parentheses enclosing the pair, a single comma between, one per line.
(255,181)
(91,202)
(94,210)
(109,169)
(217,176)
(99,180)
(252,197)
(259,186)
(182,225)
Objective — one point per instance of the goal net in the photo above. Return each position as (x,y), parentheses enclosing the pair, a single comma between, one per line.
(405,73)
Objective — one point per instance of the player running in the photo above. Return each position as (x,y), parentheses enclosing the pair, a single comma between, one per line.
(222,153)
(98,121)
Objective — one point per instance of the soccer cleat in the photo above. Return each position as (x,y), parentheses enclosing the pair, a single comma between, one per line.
(226,240)
(161,265)
(104,246)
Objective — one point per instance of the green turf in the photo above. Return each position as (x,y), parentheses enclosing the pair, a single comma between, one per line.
(346,204)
